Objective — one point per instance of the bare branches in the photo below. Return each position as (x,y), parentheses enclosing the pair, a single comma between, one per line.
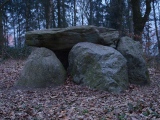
(148,10)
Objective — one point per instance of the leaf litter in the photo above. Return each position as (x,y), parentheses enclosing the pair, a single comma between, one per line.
(75,102)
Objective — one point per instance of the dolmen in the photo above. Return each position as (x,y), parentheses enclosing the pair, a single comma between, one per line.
(93,56)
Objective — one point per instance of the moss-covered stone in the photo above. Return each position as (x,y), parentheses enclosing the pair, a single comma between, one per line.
(137,67)
(42,69)
(99,67)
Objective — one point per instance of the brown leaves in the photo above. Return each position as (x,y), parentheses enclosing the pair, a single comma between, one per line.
(70,101)
(9,72)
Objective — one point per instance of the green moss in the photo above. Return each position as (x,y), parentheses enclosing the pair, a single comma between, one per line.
(93,77)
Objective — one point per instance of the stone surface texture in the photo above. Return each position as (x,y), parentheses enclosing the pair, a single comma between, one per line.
(99,67)
(42,69)
(137,68)
(60,39)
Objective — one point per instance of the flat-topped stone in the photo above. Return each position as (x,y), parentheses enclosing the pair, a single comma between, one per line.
(63,38)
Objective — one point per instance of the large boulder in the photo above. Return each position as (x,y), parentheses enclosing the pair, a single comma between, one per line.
(137,69)
(99,67)
(42,69)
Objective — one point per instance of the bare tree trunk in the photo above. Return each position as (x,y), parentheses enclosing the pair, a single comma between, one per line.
(59,13)
(64,13)
(18,33)
(2,39)
(96,21)
(139,20)
(27,14)
(82,19)
(148,39)
(81,5)
(14,26)
(115,11)
(75,10)
(38,17)
(53,16)
(156,26)
(5,31)
(48,13)
(91,12)
(14,35)
(130,16)
(120,17)
(1,33)
(82,12)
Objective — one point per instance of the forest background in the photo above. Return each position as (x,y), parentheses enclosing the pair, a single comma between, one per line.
(139,19)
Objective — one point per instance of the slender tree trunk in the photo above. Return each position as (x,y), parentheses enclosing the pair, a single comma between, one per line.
(2,39)
(18,31)
(82,18)
(1,33)
(130,16)
(5,31)
(46,5)
(96,21)
(120,18)
(107,21)
(59,13)
(13,25)
(14,35)
(39,26)
(53,16)
(148,39)
(91,12)
(48,13)
(156,26)
(75,10)
(81,4)
(64,13)
(27,14)
(38,17)
(159,12)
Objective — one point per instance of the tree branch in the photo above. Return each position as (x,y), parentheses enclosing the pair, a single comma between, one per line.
(4,3)
(148,10)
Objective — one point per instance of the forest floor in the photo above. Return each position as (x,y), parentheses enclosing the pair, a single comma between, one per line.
(73,102)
